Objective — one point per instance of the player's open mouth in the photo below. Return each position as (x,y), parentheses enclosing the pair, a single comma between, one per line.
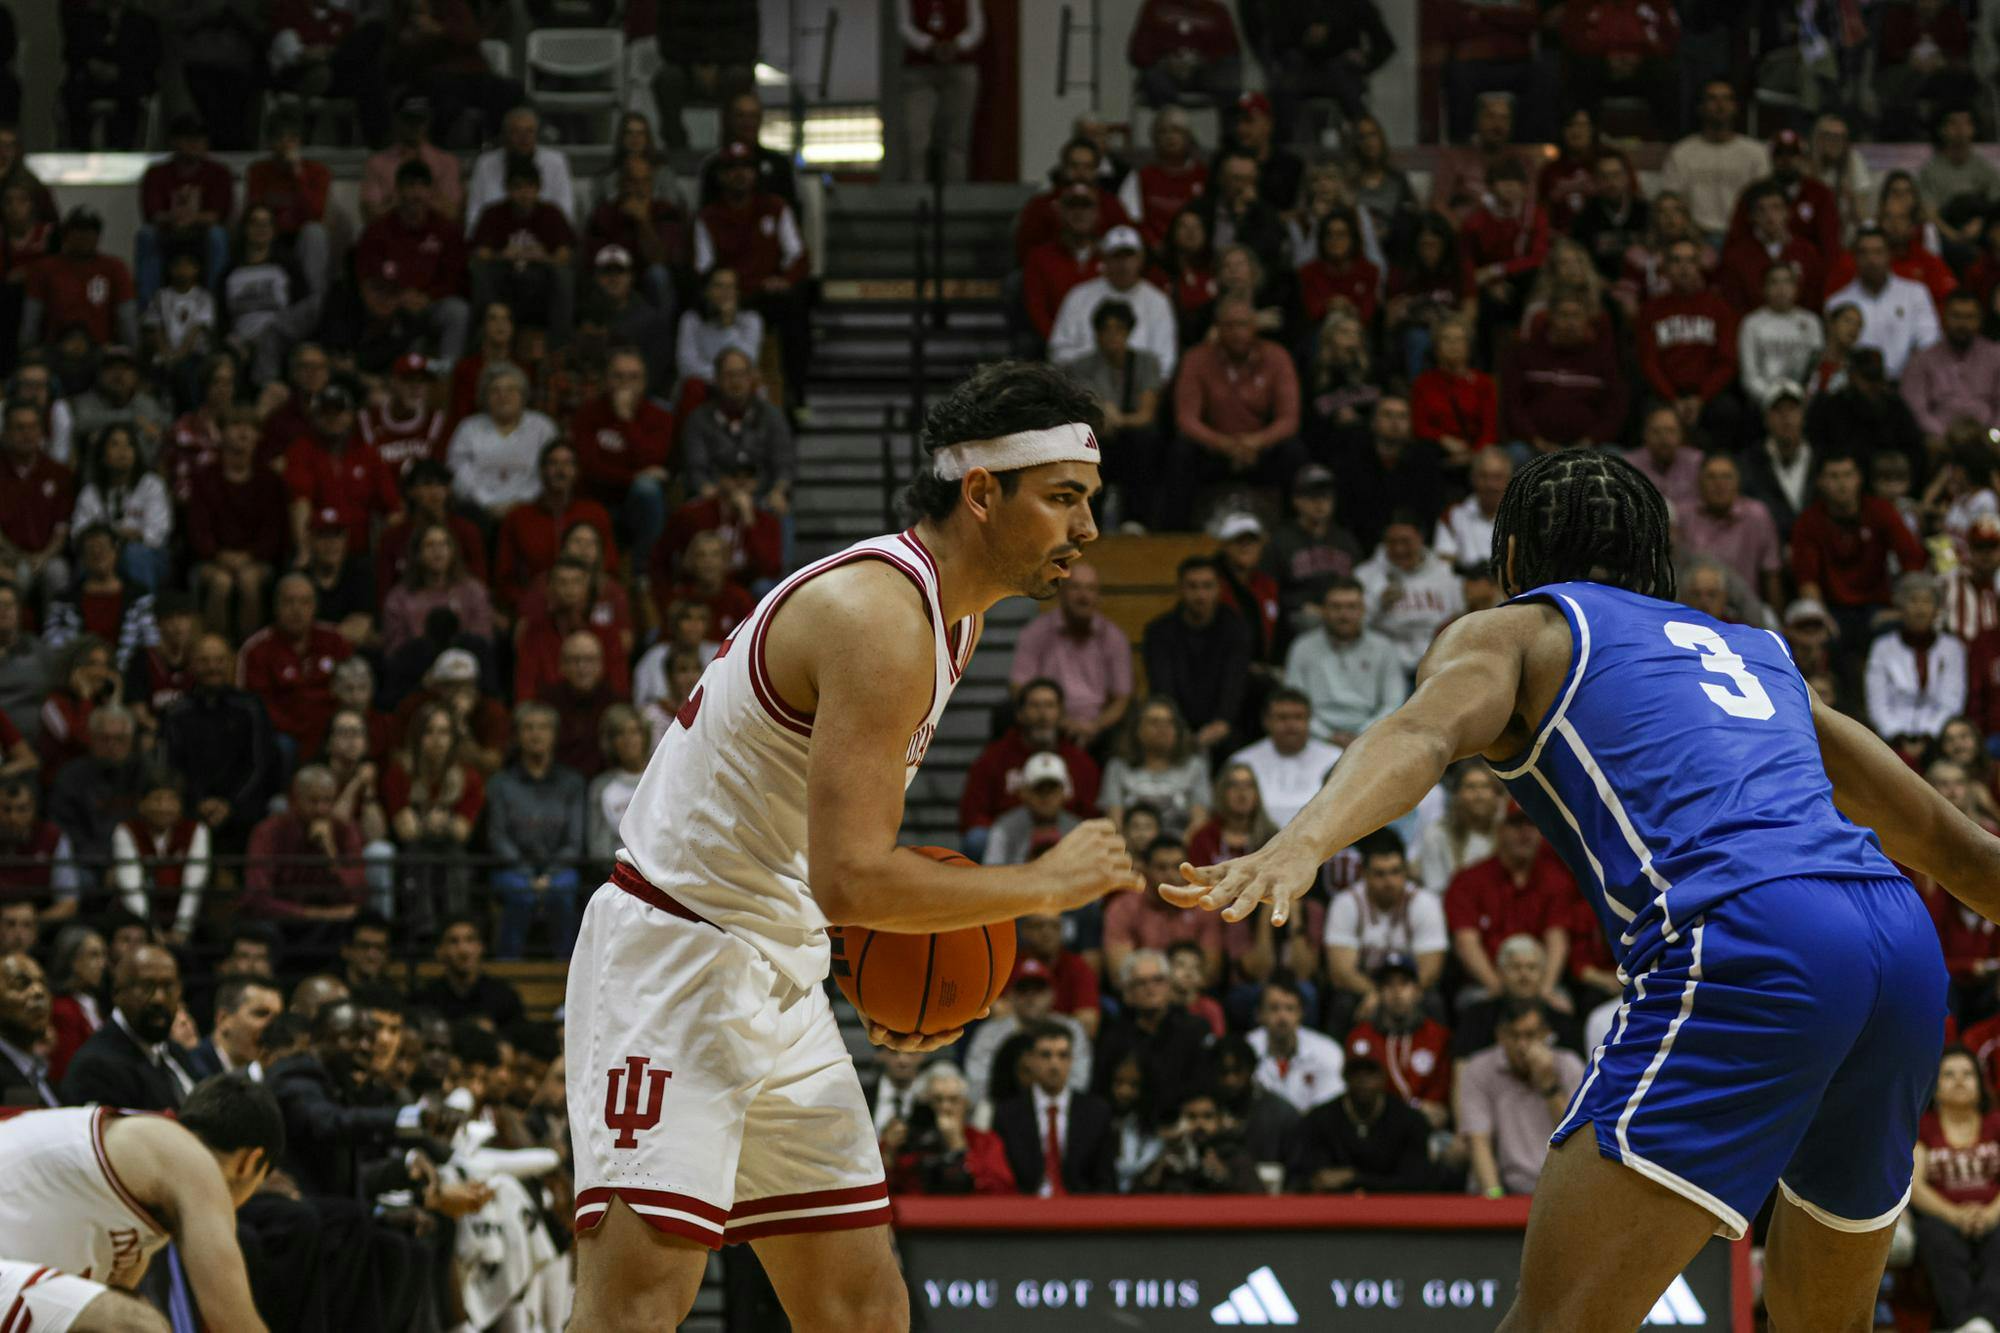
(1062,563)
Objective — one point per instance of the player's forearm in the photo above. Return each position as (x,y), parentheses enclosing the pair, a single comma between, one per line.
(1383,774)
(908,892)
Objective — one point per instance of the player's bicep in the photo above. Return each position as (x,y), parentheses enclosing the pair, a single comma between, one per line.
(875,678)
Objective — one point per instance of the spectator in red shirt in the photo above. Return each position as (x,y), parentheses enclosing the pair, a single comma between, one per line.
(304,865)
(1055,266)
(580,693)
(36,496)
(332,468)
(1521,890)
(1414,1048)
(236,528)
(402,425)
(1041,217)
(78,287)
(540,638)
(1955,1195)
(1687,348)
(1812,210)
(1175,177)
(1071,977)
(1338,272)
(754,535)
(755,234)
(521,252)
(414,257)
(1236,406)
(1185,46)
(1841,546)
(295,189)
(184,204)
(1909,257)
(705,579)
(289,665)
(1768,242)
(1623,47)
(1453,405)
(993,782)
(432,795)
(530,534)
(623,440)
(1504,240)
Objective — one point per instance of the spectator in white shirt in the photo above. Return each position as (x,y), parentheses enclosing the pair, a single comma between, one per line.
(1778,341)
(1465,533)
(520,137)
(1713,166)
(1916,675)
(495,454)
(1291,764)
(1123,280)
(1298,1063)
(1898,316)
(1411,590)
(1382,915)
(1463,835)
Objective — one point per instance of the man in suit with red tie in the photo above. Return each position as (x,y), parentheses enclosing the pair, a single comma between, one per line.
(1058,1141)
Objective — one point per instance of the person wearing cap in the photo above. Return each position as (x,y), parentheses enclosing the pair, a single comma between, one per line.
(521,247)
(1769,241)
(757,234)
(1780,470)
(1041,218)
(996,782)
(111,59)
(940,80)
(1810,631)
(336,478)
(1898,315)
(520,145)
(1185,48)
(341,579)
(1382,916)
(1916,675)
(1120,279)
(79,287)
(755,535)
(411,143)
(1734,528)
(118,399)
(1045,795)
(1173,178)
(1971,593)
(185,201)
(401,425)
(1778,341)
(1413,1048)
(1029,1000)
(1714,165)
(734,420)
(1957,376)
(218,736)
(743,122)
(485,724)
(237,527)
(415,256)
(1308,546)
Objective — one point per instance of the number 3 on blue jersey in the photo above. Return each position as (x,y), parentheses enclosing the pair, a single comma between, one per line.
(1748,699)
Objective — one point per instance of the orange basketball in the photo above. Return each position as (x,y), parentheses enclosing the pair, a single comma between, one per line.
(923,983)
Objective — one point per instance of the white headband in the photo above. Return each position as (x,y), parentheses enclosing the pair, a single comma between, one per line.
(1070,443)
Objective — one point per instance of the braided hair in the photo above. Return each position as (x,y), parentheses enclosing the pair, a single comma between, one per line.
(1581,514)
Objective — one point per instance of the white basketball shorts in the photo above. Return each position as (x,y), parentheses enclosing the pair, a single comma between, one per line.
(35,1298)
(707,1091)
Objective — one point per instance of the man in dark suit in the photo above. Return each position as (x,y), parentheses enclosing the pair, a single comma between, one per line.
(1049,1123)
(24,1021)
(244,1007)
(329,1124)
(1168,1041)
(129,1062)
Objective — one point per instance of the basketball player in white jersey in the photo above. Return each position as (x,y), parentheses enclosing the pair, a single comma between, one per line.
(711,1098)
(88,1196)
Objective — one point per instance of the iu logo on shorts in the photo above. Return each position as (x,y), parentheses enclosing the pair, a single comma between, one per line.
(640,1084)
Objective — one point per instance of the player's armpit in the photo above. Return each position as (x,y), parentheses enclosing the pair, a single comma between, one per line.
(1917,826)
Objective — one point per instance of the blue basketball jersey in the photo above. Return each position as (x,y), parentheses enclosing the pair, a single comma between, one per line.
(1679,766)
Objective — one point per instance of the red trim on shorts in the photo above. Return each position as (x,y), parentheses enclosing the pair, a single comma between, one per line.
(767,694)
(592,1204)
(111,1175)
(854,1221)
(785,1203)
(630,880)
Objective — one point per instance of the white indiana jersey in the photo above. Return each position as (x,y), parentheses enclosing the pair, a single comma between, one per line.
(719,819)
(61,1204)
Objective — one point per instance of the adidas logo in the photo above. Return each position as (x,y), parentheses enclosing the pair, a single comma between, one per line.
(1261,1300)
(1677,1308)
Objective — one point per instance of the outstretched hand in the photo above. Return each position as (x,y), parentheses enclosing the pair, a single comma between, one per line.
(1235,887)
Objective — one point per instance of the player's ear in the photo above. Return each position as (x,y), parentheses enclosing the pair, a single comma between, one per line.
(980,491)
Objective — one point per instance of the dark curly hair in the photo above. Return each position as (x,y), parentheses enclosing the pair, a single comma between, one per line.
(1583,515)
(996,400)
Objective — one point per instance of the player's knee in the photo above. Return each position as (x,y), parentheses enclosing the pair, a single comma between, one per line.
(878,1302)
(115,1312)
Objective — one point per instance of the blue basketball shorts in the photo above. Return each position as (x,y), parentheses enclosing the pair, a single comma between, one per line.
(1789,1036)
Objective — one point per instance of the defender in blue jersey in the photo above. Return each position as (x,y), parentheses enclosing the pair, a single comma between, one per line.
(1784,992)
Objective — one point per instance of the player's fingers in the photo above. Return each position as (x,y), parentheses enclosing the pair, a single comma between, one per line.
(1194,874)
(1182,895)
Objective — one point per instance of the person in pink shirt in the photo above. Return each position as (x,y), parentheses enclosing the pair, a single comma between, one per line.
(378,175)
(1084,652)
(1148,921)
